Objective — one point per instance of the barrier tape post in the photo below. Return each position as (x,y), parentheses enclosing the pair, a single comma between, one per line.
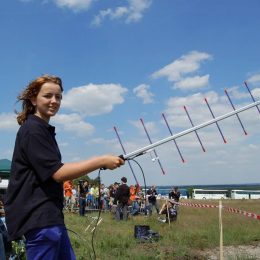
(220,232)
(169,222)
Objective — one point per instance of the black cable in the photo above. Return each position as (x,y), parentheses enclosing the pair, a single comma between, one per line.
(100,206)
(80,237)
(144,181)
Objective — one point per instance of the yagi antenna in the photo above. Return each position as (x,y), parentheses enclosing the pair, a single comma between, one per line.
(178,149)
(235,110)
(203,149)
(143,150)
(210,110)
(155,153)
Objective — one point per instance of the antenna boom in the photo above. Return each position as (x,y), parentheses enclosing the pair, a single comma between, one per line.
(185,132)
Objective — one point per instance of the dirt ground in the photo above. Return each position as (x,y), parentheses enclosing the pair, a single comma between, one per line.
(241,252)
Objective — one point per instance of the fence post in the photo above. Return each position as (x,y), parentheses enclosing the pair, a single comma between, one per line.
(220,232)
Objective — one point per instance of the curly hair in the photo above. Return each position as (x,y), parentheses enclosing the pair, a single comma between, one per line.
(31,91)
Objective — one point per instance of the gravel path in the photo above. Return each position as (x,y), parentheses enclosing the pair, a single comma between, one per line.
(235,252)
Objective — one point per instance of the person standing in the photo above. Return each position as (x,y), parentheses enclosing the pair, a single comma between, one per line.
(95,194)
(73,199)
(67,187)
(82,191)
(104,191)
(175,194)
(152,200)
(134,190)
(34,199)
(121,199)
(112,193)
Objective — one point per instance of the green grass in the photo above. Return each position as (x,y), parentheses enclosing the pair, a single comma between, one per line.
(195,229)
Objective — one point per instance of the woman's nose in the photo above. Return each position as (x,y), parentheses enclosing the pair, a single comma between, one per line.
(55,99)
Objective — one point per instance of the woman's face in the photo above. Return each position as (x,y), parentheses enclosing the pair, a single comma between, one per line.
(48,100)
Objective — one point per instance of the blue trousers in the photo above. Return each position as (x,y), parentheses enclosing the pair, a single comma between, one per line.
(2,247)
(50,243)
(82,206)
(121,212)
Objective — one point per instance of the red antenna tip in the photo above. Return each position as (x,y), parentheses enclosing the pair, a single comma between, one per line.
(225,141)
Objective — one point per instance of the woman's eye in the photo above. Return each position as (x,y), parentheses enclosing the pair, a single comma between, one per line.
(48,96)
(59,97)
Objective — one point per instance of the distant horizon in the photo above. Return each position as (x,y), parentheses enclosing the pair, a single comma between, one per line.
(209,185)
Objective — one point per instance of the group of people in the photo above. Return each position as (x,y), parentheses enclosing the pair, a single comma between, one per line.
(121,199)
(134,201)
(83,195)
(118,198)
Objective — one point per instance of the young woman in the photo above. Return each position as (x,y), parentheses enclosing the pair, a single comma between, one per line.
(34,200)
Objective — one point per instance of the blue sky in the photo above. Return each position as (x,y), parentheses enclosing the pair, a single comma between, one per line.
(121,61)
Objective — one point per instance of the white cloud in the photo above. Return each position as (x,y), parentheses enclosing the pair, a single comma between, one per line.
(112,14)
(91,100)
(131,13)
(75,5)
(256,93)
(136,9)
(234,92)
(195,82)
(8,122)
(150,126)
(143,91)
(179,70)
(186,64)
(254,79)
(73,123)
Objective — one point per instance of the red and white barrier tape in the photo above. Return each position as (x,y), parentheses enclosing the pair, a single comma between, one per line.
(243,212)
(233,210)
(196,205)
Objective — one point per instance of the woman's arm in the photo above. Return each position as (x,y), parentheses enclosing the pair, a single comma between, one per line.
(73,170)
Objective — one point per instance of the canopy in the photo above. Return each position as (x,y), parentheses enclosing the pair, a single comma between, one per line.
(5,168)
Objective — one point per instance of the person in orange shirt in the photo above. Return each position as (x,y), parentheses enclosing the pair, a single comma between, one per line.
(67,186)
(134,199)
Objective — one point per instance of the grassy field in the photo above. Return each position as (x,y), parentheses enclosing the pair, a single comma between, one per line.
(195,230)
